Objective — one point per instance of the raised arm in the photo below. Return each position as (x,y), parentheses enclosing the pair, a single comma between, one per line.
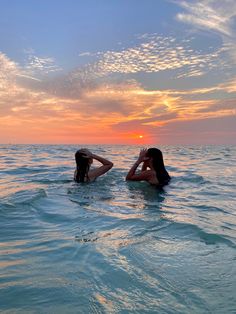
(106,166)
(144,175)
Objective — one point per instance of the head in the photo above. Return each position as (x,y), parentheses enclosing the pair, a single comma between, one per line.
(157,162)
(155,156)
(82,164)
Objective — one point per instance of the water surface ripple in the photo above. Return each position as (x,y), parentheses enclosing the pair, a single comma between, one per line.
(112,246)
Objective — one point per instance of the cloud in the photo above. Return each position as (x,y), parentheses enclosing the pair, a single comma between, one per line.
(31,109)
(209,14)
(216,130)
(145,123)
(27,111)
(215,16)
(153,54)
(87,54)
(156,54)
(14,97)
(74,95)
(207,130)
(8,70)
(37,68)
(41,65)
(229,86)
(223,106)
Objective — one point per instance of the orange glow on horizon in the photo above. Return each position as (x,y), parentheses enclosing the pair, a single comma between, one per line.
(124,113)
(137,138)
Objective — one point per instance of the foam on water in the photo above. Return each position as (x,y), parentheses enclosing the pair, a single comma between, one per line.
(114,246)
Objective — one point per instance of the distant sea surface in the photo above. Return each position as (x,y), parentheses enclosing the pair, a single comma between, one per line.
(114,246)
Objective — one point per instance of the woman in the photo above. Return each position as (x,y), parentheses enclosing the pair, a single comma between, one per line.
(84,159)
(156,174)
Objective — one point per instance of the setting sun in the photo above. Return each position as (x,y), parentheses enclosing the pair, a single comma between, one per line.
(140,136)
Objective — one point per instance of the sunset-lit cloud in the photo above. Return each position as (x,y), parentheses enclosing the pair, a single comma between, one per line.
(150,88)
(8,70)
(125,107)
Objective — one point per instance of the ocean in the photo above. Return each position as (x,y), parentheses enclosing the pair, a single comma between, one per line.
(113,246)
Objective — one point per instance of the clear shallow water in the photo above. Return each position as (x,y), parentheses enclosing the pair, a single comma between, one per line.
(112,246)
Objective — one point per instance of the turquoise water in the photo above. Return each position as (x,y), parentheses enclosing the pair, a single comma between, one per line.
(112,246)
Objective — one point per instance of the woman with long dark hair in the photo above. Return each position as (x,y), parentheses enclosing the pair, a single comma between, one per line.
(84,158)
(153,168)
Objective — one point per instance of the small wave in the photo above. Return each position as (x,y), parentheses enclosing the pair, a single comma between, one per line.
(25,197)
(195,178)
(215,159)
(53,217)
(23,170)
(173,169)
(190,178)
(207,193)
(50,181)
(204,207)
(212,238)
(189,230)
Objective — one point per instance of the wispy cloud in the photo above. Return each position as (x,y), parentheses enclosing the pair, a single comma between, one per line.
(126,101)
(125,107)
(157,54)
(38,66)
(153,54)
(8,70)
(88,54)
(213,16)
(41,65)
(209,14)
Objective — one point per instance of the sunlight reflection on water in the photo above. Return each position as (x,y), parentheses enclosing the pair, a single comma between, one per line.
(120,246)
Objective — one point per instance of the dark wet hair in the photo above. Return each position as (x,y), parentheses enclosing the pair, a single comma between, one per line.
(82,167)
(158,164)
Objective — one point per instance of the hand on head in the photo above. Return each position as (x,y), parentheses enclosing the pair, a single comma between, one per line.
(142,155)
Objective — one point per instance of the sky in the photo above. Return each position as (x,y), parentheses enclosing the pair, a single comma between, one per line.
(148,72)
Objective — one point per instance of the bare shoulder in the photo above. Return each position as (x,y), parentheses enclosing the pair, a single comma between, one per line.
(153,178)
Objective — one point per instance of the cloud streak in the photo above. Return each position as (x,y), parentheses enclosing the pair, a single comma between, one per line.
(209,14)
(214,16)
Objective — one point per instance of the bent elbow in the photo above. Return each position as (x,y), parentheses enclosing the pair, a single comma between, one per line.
(110,165)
